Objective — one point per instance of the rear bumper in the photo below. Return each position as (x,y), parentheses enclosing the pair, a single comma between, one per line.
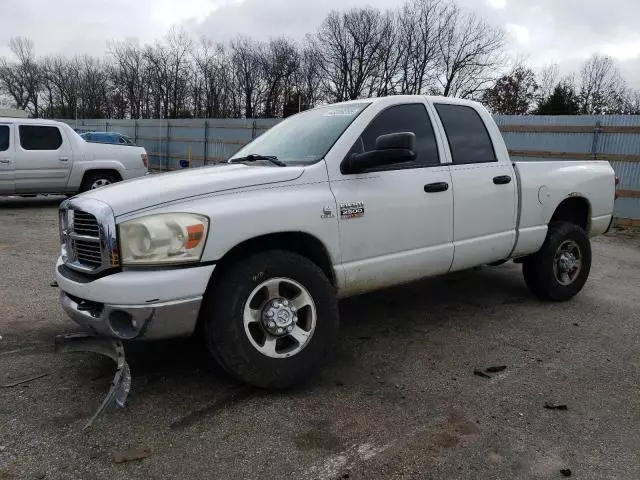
(127,322)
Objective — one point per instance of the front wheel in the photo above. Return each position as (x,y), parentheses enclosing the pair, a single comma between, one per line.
(270,319)
(559,270)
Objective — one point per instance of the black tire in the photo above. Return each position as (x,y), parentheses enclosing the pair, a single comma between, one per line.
(227,340)
(538,269)
(92,177)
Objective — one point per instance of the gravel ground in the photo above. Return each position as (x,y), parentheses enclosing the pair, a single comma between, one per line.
(398,399)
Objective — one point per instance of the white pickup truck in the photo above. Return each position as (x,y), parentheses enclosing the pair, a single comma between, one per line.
(45,156)
(335,201)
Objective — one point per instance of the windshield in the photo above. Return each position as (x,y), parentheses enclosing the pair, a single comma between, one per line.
(306,137)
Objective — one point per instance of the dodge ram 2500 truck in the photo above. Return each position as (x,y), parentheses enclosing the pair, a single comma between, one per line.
(335,201)
(44,156)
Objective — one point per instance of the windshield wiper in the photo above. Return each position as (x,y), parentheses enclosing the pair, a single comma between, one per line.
(255,157)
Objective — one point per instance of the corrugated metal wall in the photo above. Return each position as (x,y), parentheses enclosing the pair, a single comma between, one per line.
(615,138)
(203,141)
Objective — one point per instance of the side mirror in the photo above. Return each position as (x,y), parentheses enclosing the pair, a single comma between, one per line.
(389,149)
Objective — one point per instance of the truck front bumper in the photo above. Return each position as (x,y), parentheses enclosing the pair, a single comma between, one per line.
(140,305)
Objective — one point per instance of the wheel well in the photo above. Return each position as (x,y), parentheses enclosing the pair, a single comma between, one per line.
(298,242)
(573,210)
(100,170)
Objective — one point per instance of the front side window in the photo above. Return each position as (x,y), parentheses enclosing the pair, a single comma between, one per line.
(37,137)
(307,137)
(398,119)
(468,138)
(4,138)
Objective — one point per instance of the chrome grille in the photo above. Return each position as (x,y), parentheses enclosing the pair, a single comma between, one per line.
(85,224)
(87,234)
(87,252)
(84,233)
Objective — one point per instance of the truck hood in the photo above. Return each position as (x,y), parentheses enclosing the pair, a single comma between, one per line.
(151,190)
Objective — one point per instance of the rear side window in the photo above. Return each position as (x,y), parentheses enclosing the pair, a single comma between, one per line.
(4,138)
(468,138)
(36,137)
(398,119)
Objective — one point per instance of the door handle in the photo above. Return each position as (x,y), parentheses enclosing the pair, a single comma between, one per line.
(4,160)
(63,159)
(436,187)
(502,179)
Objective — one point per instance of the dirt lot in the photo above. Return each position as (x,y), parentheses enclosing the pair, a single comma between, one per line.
(399,398)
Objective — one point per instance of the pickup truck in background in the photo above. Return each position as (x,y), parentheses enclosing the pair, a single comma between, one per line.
(335,201)
(44,156)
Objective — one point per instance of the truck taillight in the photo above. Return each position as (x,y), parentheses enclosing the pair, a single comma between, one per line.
(145,160)
(617,181)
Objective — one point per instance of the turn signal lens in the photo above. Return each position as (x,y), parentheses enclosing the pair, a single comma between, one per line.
(195,235)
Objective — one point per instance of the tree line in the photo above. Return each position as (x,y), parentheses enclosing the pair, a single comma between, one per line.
(422,47)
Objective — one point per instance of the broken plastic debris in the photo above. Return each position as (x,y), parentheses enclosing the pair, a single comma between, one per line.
(555,406)
(131,454)
(24,380)
(496,369)
(480,373)
(110,347)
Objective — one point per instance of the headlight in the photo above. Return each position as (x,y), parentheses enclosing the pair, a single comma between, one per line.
(167,238)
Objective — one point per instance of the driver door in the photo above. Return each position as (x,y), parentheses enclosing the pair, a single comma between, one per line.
(396,221)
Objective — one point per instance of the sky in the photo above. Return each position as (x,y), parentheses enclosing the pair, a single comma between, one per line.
(539,31)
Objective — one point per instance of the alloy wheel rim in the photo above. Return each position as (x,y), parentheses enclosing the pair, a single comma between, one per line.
(567,262)
(279,317)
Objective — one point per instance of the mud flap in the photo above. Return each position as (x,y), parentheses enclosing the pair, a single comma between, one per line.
(110,347)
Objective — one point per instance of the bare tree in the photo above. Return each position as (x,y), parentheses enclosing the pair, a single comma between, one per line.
(21,80)
(280,61)
(418,44)
(601,86)
(350,45)
(547,81)
(61,77)
(309,77)
(385,79)
(127,74)
(246,58)
(469,52)
(179,47)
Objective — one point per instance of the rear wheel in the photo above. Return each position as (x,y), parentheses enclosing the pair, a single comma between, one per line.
(559,270)
(270,319)
(95,180)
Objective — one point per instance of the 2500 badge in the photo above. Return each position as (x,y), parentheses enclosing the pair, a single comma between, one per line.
(351,210)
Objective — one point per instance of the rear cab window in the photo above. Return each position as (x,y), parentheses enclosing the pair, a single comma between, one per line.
(4,138)
(411,117)
(469,140)
(40,137)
